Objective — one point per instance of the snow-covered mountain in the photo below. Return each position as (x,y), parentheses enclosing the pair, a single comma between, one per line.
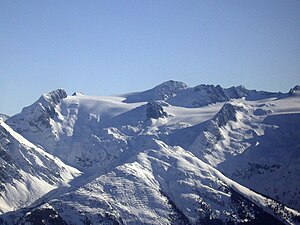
(169,155)
(256,144)
(164,91)
(27,172)
(162,185)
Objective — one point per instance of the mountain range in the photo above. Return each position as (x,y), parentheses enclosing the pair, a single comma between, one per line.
(172,154)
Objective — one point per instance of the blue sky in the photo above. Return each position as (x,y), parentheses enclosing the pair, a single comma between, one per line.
(111,47)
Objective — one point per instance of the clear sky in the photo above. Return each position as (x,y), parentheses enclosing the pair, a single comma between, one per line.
(111,47)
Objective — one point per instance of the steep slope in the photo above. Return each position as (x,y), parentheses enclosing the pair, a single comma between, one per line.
(27,172)
(161,185)
(71,126)
(154,157)
(256,144)
(40,120)
(88,132)
(223,136)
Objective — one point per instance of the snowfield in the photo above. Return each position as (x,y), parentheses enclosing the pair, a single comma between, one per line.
(169,155)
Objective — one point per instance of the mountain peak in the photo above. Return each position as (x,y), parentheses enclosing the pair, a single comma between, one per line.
(169,89)
(77,93)
(40,116)
(55,96)
(163,91)
(172,84)
(156,161)
(227,113)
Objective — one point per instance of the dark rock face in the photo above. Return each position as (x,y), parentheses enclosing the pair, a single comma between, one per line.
(48,103)
(295,90)
(56,96)
(250,213)
(215,93)
(43,216)
(227,113)
(219,94)
(237,92)
(155,110)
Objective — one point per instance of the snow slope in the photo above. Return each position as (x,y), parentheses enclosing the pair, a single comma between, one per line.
(163,185)
(257,144)
(169,155)
(27,172)
(94,131)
